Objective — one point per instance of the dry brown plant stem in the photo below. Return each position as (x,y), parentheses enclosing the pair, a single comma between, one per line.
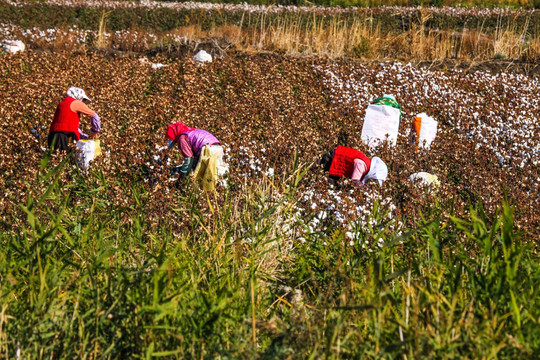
(101,38)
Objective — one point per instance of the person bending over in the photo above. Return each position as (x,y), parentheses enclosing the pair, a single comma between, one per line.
(65,125)
(353,164)
(190,142)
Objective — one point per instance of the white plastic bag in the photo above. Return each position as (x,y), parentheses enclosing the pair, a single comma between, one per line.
(222,166)
(154,65)
(428,131)
(202,57)
(13,46)
(380,121)
(88,150)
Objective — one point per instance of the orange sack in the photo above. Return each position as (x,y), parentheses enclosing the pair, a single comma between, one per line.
(415,131)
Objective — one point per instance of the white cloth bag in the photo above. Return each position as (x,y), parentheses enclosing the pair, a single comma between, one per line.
(87,153)
(13,46)
(380,121)
(428,131)
(222,167)
(202,57)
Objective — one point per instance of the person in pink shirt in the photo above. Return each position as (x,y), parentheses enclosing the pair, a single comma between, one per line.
(190,142)
(65,125)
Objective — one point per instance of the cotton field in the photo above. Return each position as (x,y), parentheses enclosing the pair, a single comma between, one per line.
(268,110)
(497,111)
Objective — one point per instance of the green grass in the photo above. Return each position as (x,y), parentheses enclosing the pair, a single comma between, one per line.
(85,277)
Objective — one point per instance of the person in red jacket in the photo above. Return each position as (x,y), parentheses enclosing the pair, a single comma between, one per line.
(353,164)
(65,125)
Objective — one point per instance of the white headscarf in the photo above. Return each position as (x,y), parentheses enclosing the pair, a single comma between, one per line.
(377,170)
(77,93)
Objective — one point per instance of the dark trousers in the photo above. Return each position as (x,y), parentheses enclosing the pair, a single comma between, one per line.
(62,140)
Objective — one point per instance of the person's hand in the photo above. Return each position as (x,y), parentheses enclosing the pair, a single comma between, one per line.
(359,183)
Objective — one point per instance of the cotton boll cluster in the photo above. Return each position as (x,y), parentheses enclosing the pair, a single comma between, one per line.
(354,210)
(501,115)
(248,163)
(73,37)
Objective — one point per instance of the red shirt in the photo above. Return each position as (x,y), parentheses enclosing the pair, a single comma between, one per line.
(343,161)
(65,119)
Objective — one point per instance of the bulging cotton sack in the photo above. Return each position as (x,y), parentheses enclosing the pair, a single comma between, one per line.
(202,57)
(12,46)
(380,121)
(423,131)
(88,150)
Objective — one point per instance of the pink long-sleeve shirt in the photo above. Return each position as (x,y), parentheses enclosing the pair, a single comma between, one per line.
(360,168)
(185,146)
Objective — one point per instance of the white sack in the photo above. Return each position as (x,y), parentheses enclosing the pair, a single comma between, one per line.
(428,131)
(202,57)
(380,120)
(86,153)
(222,166)
(154,65)
(13,46)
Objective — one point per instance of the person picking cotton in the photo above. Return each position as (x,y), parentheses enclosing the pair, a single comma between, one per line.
(355,165)
(65,125)
(202,152)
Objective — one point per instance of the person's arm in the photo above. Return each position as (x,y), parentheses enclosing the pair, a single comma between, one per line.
(81,108)
(185,146)
(360,168)
(82,135)
(186,166)
(95,124)
(187,151)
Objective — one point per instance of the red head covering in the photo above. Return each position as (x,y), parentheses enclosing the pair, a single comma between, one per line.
(176,129)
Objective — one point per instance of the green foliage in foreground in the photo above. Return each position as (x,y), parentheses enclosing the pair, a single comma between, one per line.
(87,278)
